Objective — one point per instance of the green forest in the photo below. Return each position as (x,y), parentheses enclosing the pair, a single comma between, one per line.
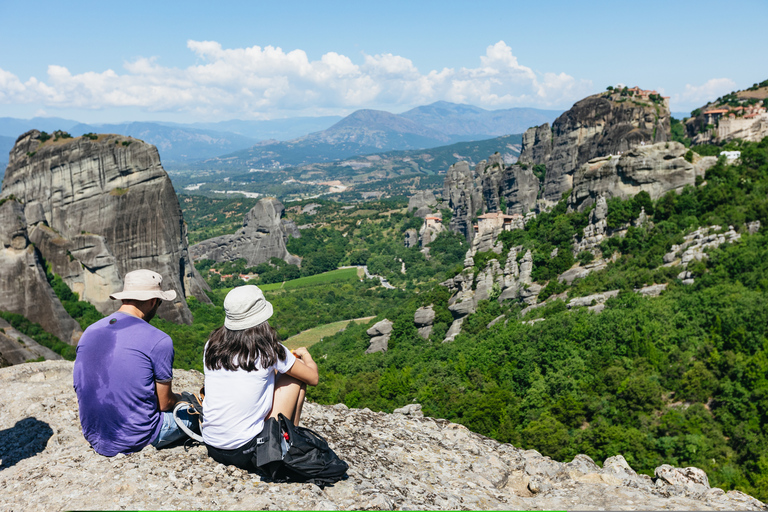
(680,379)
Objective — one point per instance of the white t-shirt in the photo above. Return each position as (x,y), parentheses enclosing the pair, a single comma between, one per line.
(237,402)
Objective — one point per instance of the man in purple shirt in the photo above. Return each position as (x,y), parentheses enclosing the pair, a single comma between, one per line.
(123,373)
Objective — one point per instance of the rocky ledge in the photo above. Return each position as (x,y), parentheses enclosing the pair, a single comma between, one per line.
(397,461)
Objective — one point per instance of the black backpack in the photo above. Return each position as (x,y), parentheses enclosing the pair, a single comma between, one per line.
(287,453)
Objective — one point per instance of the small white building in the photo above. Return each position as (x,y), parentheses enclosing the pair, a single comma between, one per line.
(731,155)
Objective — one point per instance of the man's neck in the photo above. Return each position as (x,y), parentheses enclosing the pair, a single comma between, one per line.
(130,309)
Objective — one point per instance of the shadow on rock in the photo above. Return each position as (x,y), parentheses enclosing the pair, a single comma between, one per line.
(25,439)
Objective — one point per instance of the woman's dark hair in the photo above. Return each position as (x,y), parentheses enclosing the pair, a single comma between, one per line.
(230,350)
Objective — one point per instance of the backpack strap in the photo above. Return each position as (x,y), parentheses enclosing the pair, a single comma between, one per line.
(192,408)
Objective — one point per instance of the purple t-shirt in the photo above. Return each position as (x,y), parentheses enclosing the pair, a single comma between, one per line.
(119,358)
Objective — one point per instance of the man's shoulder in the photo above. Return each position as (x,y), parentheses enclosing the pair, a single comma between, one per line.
(126,325)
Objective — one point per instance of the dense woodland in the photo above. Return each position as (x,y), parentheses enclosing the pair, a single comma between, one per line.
(678,379)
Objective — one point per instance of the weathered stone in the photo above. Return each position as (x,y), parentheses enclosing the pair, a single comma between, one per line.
(599,125)
(454,330)
(378,344)
(421,199)
(423,212)
(682,476)
(653,290)
(381,328)
(17,348)
(656,169)
(261,238)
(424,316)
(589,300)
(113,188)
(410,410)
(411,238)
(24,288)
(462,195)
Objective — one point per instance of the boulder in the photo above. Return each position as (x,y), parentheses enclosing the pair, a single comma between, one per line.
(379,333)
(381,328)
(410,410)
(423,320)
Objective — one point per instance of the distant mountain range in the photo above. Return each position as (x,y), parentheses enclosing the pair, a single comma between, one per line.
(299,141)
(374,131)
(467,122)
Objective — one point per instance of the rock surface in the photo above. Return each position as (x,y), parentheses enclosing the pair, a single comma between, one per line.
(397,461)
(99,209)
(17,348)
(599,125)
(421,199)
(263,236)
(492,186)
(379,333)
(24,289)
(656,169)
(423,319)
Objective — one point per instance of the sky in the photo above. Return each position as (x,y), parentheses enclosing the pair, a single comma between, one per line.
(102,62)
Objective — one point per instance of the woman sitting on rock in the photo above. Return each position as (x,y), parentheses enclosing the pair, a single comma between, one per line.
(249,376)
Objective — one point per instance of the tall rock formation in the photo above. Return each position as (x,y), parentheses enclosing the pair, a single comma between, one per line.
(463,196)
(24,289)
(98,208)
(491,186)
(604,124)
(263,236)
(656,169)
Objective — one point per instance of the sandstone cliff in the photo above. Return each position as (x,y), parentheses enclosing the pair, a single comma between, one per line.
(487,188)
(656,169)
(24,288)
(398,461)
(17,348)
(263,236)
(599,125)
(99,208)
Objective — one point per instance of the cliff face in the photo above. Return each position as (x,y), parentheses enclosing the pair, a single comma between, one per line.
(262,237)
(656,169)
(24,288)
(596,126)
(17,348)
(98,209)
(486,188)
(399,461)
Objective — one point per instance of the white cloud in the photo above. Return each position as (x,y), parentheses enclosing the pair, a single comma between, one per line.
(695,96)
(258,82)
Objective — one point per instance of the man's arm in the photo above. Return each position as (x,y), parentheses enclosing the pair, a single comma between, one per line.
(166,398)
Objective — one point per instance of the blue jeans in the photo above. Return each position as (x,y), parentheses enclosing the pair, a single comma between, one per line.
(170,431)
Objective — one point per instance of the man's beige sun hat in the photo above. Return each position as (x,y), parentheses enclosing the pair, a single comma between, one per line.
(143,284)
(246,307)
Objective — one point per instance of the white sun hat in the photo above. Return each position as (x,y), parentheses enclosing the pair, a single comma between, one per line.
(143,284)
(246,307)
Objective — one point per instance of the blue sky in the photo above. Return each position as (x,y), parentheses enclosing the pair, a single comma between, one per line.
(205,61)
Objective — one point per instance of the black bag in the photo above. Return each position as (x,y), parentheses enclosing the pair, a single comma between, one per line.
(287,453)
